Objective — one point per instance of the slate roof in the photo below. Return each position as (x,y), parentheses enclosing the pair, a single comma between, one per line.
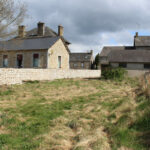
(80,57)
(131,56)
(28,43)
(139,53)
(142,41)
(48,32)
(106,50)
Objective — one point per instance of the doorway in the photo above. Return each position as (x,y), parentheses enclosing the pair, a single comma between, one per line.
(19,60)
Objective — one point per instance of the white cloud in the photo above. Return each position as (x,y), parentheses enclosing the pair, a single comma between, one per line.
(91,24)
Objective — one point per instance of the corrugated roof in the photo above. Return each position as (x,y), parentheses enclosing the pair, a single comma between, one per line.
(74,57)
(142,41)
(28,43)
(137,56)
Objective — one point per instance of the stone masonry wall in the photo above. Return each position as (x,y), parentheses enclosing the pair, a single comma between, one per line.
(47,58)
(27,58)
(87,65)
(58,49)
(17,76)
(137,73)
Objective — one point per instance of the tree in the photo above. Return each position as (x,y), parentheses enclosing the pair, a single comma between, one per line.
(97,61)
(12,14)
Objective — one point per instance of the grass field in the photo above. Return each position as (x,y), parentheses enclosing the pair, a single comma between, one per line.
(74,115)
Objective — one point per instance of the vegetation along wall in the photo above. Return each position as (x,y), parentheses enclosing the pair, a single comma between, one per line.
(17,76)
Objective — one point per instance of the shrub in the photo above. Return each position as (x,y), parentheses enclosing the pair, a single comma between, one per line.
(114,73)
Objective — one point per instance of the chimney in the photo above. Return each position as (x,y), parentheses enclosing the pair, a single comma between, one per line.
(91,52)
(136,34)
(21,31)
(60,30)
(41,29)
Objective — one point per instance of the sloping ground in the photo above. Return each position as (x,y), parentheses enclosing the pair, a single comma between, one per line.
(74,115)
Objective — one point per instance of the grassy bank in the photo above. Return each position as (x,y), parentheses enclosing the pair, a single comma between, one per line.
(74,115)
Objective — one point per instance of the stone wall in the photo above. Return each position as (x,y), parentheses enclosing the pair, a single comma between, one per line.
(135,66)
(137,73)
(134,69)
(17,76)
(47,58)
(58,49)
(27,58)
(78,65)
(132,66)
(114,65)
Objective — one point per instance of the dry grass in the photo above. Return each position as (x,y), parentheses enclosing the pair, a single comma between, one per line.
(145,84)
(65,114)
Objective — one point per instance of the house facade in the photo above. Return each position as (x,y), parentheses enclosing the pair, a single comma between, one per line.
(136,57)
(81,60)
(38,48)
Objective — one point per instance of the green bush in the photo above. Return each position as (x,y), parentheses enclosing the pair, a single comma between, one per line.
(114,73)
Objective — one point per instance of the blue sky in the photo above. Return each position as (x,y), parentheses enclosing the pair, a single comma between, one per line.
(92,24)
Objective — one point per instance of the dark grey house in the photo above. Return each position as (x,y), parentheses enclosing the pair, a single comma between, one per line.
(136,57)
(81,60)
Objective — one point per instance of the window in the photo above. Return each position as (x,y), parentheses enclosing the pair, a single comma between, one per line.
(5,60)
(35,60)
(86,57)
(82,65)
(75,65)
(59,61)
(122,65)
(147,66)
(19,60)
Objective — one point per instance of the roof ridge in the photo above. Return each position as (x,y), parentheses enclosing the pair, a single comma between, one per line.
(81,52)
(35,37)
(114,46)
(143,36)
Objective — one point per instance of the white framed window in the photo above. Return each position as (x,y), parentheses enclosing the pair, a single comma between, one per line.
(36,60)
(5,60)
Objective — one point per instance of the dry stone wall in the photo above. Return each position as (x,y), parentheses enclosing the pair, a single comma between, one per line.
(17,76)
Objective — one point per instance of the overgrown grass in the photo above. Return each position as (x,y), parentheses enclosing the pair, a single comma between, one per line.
(74,114)
(38,120)
(6,92)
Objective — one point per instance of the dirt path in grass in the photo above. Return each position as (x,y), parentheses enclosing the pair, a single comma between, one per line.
(83,126)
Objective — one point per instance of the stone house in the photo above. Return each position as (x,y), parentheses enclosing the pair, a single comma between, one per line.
(38,48)
(136,57)
(81,60)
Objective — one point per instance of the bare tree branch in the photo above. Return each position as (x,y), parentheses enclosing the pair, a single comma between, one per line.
(12,14)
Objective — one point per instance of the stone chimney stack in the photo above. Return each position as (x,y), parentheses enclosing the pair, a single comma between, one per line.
(136,34)
(60,30)
(41,29)
(21,31)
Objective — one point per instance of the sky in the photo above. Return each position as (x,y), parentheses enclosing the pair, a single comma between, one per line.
(92,24)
